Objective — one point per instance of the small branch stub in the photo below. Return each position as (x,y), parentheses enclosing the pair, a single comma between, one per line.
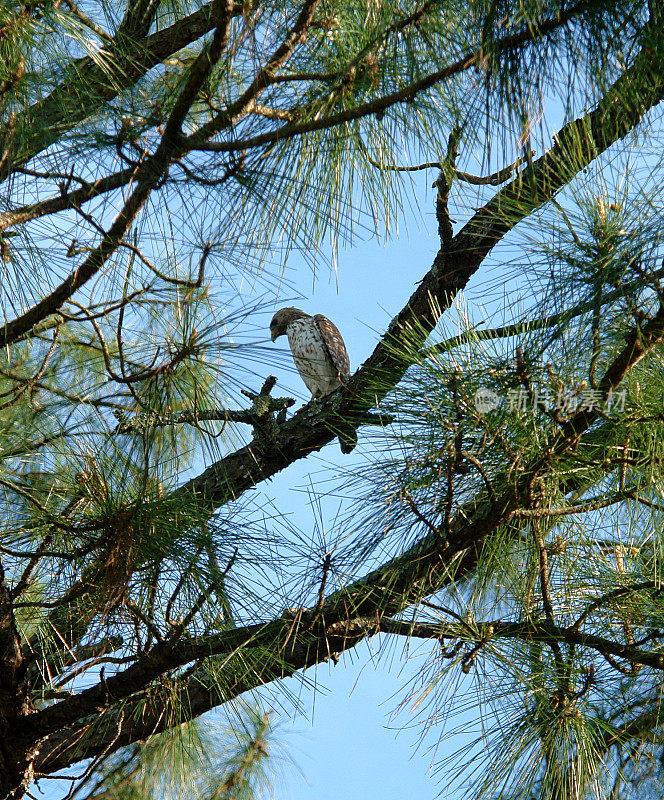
(261,411)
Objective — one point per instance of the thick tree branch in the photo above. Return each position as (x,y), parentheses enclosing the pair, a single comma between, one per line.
(326,638)
(639,89)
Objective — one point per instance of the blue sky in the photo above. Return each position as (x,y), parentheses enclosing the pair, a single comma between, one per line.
(351,742)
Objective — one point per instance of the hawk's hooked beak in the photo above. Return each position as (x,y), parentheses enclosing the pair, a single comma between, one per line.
(273,335)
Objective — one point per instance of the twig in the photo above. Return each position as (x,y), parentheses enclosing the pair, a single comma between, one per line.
(494,179)
(24,581)
(619,592)
(76,11)
(518,328)
(422,518)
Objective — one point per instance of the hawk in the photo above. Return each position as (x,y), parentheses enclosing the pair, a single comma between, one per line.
(319,353)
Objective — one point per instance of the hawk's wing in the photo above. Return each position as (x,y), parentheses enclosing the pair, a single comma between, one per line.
(334,345)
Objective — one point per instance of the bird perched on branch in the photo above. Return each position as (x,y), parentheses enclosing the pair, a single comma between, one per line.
(319,353)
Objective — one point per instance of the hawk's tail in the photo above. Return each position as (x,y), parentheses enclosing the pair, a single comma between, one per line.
(347,440)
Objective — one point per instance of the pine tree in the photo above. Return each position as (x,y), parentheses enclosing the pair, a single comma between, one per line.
(156,154)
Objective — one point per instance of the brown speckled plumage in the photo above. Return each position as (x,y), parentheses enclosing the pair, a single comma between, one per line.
(318,350)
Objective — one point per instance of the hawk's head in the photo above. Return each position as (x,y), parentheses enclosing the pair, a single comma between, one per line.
(282,319)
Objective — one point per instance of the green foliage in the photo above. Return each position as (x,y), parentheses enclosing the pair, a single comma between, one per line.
(578,546)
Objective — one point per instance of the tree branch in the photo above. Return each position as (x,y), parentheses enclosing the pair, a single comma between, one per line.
(243,104)
(577,144)
(198,140)
(58,749)
(72,199)
(90,86)
(147,177)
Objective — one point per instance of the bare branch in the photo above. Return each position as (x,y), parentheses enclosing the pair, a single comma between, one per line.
(72,199)
(494,179)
